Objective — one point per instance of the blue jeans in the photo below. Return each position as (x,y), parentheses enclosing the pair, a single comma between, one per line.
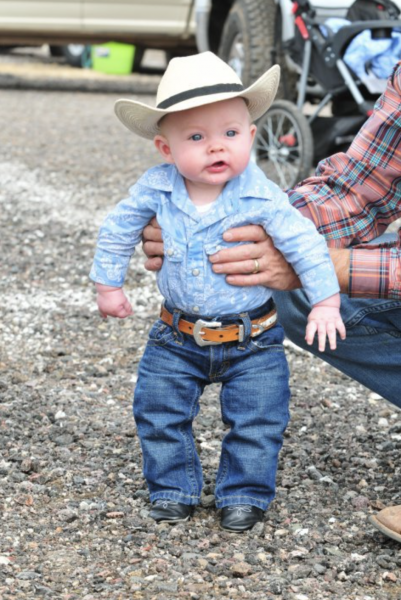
(371,354)
(254,399)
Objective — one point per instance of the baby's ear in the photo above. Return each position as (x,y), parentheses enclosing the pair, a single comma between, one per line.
(163,147)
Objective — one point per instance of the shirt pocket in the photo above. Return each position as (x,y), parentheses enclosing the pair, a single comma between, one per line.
(172,278)
(174,250)
(215,245)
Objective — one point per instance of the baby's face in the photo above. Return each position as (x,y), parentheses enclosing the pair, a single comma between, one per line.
(210,144)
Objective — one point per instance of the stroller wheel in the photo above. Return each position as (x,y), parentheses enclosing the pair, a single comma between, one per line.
(284,144)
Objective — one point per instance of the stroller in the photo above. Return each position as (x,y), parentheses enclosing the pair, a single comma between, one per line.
(290,140)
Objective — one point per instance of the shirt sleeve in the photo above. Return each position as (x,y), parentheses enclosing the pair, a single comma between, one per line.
(119,234)
(303,247)
(354,196)
(375,272)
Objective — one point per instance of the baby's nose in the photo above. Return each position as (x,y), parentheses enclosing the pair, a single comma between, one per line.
(216,145)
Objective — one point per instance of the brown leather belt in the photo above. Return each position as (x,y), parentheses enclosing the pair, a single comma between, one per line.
(207,333)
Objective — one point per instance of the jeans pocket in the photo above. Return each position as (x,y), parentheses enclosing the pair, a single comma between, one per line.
(371,312)
(160,334)
(271,339)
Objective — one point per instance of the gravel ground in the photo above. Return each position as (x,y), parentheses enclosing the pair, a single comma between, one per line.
(74,507)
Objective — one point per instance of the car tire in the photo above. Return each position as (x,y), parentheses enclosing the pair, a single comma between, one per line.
(251,41)
(138,57)
(73,53)
(288,80)
(56,50)
(247,38)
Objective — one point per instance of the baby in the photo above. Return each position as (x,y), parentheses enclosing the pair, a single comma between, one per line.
(209,331)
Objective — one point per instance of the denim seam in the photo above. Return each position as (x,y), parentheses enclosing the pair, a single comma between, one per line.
(369,331)
(240,496)
(371,310)
(224,468)
(241,500)
(224,462)
(225,364)
(177,496)
(274,348)
(162,342)
(189,463)
(190,446)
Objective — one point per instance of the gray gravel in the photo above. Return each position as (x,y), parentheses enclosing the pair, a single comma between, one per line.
(74,507)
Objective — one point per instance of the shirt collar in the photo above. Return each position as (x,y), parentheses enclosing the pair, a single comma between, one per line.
(253,183)
(161,177)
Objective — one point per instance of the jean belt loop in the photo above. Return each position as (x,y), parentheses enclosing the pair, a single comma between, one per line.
(177,333)
(247,330)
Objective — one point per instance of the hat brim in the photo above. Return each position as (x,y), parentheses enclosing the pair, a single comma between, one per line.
(143,119)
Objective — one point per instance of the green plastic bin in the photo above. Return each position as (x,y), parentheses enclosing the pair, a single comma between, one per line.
(113,58)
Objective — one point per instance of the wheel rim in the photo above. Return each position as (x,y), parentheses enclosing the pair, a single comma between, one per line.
(236,57)
(76,49)
(279,148)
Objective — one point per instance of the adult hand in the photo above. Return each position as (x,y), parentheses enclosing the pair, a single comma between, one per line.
(240,262)
(153,245)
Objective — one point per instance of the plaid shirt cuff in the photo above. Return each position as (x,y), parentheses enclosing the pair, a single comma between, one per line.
(369,273)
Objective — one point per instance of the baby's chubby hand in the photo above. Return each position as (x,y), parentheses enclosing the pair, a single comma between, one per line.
(325,320)
(112,302)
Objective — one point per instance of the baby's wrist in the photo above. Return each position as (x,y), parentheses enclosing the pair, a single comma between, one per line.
(101,288)
(330,302)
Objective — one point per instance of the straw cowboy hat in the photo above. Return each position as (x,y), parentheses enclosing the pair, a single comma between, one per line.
(194,81)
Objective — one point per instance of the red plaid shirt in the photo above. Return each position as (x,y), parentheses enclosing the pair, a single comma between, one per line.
(355,196)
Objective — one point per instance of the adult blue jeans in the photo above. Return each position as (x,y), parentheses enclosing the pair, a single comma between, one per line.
(371,353)
(254,398)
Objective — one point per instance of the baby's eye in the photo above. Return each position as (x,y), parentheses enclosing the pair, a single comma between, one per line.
(196,137)
(231,133)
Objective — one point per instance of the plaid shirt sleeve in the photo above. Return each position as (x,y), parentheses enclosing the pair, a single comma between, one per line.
(354,197)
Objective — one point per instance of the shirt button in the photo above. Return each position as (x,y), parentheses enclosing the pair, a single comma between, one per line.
(195,309)
(195,272)
(170,252)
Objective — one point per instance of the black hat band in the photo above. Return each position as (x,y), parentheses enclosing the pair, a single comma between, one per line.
(208,90)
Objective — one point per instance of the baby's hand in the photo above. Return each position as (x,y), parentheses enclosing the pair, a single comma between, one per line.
(112,302)
(325,319)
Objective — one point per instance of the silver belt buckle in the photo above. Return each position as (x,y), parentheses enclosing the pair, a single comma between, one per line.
(198,332)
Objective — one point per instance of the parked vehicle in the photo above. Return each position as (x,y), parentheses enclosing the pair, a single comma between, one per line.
(68,25)
(249,34)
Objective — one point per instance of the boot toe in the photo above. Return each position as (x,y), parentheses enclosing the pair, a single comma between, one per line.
(168,511)
(240,517)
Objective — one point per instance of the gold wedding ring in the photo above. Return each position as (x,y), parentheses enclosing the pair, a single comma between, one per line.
(257,266)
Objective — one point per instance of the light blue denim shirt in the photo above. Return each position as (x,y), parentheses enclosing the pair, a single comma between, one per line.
(186,279)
